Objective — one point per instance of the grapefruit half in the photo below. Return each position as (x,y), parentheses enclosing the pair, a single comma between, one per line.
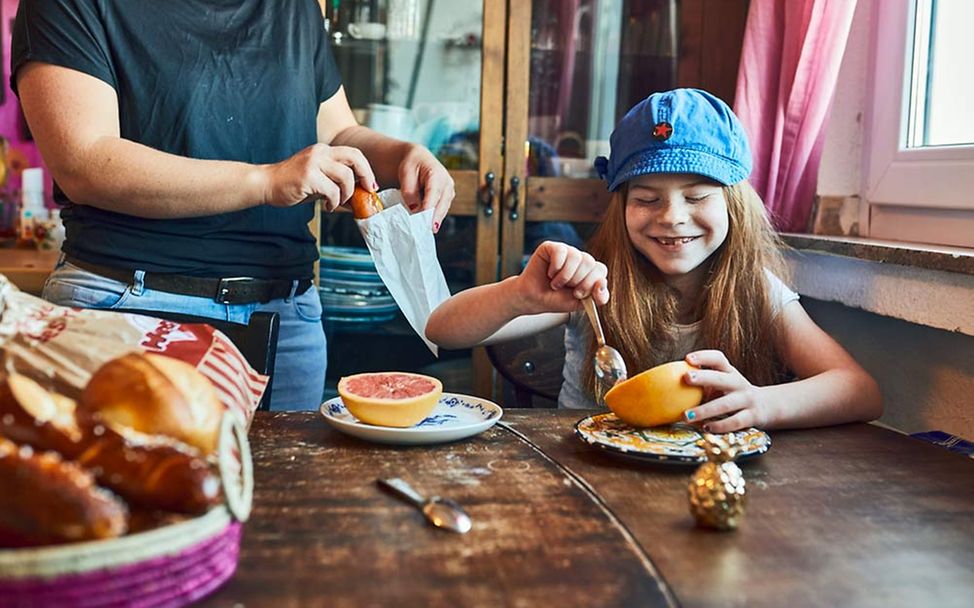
(654,397)
(399,399)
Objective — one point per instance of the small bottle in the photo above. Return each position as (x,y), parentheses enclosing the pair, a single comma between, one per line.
(32,209)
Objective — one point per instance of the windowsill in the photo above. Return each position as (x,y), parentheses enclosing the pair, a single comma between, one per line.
(929,257)
(923,284)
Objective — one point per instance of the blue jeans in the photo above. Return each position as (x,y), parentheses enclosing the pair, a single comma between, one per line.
(299,368)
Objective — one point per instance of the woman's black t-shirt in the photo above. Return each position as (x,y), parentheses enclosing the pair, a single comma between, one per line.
(222,80)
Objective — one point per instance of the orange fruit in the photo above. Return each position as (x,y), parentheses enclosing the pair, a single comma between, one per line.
(364,203)
(399,399)
(654,397)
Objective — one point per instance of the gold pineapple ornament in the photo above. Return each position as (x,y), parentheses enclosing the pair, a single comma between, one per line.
(716,490)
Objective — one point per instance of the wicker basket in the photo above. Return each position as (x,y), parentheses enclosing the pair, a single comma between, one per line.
(169,566)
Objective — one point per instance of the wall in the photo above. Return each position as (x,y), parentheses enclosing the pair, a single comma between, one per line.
(9,111)
(926,374)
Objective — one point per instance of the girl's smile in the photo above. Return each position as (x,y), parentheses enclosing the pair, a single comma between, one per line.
(674,243)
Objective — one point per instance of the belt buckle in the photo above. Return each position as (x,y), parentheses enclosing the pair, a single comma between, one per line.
(223,289)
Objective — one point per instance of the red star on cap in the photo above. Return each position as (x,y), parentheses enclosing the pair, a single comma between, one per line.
(662,131)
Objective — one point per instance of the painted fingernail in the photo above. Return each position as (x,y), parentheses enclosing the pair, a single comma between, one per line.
(690,414)
(413,207)
(436,227)
(708,428)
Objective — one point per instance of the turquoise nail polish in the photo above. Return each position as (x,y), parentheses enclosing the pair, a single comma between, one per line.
(691,415)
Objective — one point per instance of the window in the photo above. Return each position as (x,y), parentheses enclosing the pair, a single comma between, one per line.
(919,148)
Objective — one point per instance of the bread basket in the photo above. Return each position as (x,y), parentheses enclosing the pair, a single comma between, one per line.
(169,566)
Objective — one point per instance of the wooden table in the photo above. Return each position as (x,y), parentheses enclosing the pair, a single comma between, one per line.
(847,516)
(28,268)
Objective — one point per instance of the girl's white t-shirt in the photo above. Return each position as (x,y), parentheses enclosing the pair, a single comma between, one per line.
(578,334)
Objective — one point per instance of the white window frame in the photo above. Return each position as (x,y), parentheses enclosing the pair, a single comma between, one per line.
(920,194)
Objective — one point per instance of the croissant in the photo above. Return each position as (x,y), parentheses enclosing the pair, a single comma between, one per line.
(44,499)
(144,470)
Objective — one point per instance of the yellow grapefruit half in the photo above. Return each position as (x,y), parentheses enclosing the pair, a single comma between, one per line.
(399,399)
(654,397)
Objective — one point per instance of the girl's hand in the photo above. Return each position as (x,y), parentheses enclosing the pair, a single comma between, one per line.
(558,277)
(728,393)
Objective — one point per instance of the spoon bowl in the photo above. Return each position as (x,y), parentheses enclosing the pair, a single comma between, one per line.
(609,364)
(447,514)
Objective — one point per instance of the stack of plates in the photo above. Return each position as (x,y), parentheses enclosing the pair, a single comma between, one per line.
(350,288)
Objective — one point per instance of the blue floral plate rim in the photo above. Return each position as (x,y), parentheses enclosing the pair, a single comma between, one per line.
(455,416)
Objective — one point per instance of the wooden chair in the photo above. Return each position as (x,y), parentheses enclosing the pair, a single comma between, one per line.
(533,366)
(256,341)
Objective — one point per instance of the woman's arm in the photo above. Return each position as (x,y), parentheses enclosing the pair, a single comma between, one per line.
(832,388)
(553,284)
(74,119)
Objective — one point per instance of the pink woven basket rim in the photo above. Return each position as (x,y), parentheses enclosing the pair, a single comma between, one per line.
(172,580)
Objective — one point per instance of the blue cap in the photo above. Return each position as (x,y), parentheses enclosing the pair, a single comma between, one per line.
(678,131)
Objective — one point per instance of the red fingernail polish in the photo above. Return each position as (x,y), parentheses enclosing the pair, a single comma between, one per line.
(413,207)
(436,226)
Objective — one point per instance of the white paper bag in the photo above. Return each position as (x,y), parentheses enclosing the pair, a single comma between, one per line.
(404,251)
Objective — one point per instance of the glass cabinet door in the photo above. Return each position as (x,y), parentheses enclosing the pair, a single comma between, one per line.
(429,72)
(575,67)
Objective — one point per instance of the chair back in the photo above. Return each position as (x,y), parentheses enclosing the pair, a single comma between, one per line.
(533,366)
(256,341)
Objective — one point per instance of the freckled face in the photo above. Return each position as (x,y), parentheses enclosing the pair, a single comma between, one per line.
(676,220)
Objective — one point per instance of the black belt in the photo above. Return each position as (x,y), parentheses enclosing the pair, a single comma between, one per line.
(231,290)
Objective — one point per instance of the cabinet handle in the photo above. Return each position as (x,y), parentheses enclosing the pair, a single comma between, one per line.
(487,194)
(513,197)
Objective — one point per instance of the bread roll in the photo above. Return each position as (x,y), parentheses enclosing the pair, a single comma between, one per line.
(44,499)
(31,415)
(365,204)
(149,471)
(154,394)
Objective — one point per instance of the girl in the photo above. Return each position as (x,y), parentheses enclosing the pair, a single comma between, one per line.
(693,271)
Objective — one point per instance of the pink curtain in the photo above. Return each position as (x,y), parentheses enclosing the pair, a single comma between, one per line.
(789,66)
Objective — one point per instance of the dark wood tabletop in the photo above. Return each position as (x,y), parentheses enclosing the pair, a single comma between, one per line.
(844,516)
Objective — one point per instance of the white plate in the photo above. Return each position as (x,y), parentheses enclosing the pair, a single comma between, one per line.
(454,417)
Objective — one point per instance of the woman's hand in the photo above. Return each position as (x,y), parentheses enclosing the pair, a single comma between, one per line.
(558,277)
(728,393)
(318,171)
(426,184)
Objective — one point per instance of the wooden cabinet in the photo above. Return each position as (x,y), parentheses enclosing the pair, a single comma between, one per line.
(517,98)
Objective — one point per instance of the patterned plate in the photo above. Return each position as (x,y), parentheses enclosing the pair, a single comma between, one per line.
(675,443)
(454,417)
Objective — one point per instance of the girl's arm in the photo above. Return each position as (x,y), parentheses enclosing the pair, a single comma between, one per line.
(553,284)
(832,388)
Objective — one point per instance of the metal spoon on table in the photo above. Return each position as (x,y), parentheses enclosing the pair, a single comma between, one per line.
(441,512)
(609,365)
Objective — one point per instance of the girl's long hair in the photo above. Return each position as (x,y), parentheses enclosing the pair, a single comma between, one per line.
(734,306)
